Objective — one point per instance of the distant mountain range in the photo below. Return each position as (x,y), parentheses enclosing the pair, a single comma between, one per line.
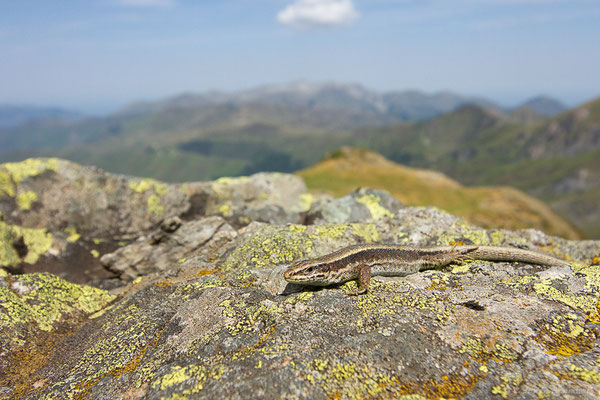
(289,127)
(13,115)
(353,105)
(407,105)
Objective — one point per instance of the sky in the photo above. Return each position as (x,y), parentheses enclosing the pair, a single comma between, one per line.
(96,56)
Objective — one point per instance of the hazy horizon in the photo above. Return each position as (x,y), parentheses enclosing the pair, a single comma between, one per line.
(100,109)
(100,55)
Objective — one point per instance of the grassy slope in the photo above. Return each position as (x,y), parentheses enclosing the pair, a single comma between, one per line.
(498,207)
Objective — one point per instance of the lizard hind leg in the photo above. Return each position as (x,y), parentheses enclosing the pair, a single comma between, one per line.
(464,254)
(364,277)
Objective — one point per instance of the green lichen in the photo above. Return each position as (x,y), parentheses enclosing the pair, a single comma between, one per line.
(372,201)
(36,241)
(44,299)
(367,231)
(26,199)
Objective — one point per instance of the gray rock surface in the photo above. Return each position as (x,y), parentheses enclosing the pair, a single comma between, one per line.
(208,314)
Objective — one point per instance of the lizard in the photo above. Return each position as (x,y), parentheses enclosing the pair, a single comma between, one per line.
(361,261)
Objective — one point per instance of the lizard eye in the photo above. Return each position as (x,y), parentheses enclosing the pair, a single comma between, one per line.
(311,269)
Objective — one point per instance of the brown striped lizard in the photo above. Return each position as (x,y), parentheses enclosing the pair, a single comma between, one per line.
(361,261)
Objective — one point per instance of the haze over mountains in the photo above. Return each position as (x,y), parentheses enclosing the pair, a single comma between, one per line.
(14,115)
(286,128)
(406,105)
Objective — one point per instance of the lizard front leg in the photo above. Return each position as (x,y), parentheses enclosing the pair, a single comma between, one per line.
(364,277)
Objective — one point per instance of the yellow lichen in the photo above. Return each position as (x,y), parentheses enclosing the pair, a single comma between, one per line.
(461,268)
(306,201)
(584,374)
(507,381)
(297,228)
(146,184)
(349,380)
(45,299)
(333,231)
(26,199)
(73,235)
(225,210)
(95,253)
(227,180)
(591,273)
(565,335)
(37,242)
(586,303)
(372,201)
(7,187)
(155,206)
(268,247)
(500,352)
(367,231)
(29,167)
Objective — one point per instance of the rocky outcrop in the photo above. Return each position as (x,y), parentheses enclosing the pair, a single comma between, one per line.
(61,217)
(205,313)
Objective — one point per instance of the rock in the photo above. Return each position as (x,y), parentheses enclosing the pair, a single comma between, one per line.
(208,314)
(162,250)
(64,218)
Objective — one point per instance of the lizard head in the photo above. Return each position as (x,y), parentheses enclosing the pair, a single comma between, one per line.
(307,272)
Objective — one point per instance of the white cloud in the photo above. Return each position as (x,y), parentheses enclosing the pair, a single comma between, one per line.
(146,3)
(309,13)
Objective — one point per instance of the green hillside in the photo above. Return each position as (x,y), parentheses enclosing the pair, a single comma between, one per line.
(186,139)
(556,160)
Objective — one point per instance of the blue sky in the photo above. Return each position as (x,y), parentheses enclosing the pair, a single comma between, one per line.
(98,55)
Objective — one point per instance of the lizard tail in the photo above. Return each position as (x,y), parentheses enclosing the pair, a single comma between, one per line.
(493,253)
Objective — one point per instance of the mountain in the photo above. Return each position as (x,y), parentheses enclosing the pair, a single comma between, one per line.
(395,106)
(544,106)
(556,160)
(490,207)
(412,105)
(13,115)
(289,127)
